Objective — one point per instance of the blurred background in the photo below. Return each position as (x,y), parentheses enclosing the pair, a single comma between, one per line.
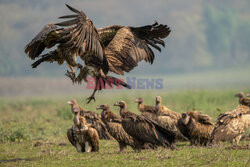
(209,46)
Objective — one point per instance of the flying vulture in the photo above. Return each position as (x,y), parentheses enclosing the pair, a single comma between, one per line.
(243,100)
(231,125)
(197,127)
(92,118)
(115,48)
(144,130)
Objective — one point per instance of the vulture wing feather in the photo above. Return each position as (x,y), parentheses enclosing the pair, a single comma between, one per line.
(130,45)
(83,34)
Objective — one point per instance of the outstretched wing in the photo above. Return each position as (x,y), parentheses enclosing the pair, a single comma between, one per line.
(108,33)
(130,45)
(47,37)
(80,34)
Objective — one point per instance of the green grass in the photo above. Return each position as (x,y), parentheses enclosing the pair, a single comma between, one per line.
(24,122)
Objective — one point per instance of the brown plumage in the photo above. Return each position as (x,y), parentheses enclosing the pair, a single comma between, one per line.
(231,125)
(168,118)
(114,48)
(92,118)
(114,126)
(144,130)
(197,127)
(243,100)
(146,110)
(163,110)
(82,135)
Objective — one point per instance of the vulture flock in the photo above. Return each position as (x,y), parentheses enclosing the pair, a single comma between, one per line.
(118,49)
(156,126)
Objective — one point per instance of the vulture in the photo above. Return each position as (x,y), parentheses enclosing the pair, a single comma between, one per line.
(231,125)
(115,129)
(114,126)
(168,118)
(92,118)
(197,127)
(144,130)
(146,110)
(243,100)
(82,135)
(113,49)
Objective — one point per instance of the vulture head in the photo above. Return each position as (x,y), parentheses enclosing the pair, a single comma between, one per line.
(72,102)
(103,107)
(123,106)
(105,110)
(240,95)
(185,118)
(139,100)
(74,107)
(248,94)
(158,99)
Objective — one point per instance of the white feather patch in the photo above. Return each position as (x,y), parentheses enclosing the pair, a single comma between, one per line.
(88,147)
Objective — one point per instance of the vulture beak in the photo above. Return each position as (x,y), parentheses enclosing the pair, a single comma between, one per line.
(70,102)
(117,104)
(99,107)
(136,100)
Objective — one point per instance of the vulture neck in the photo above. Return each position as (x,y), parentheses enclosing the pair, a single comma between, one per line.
(141,106)
(241,99)
(76,119)
(123,111)
(107,109)
(157,106)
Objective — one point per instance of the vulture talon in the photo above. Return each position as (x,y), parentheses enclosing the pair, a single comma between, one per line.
(71,75)
(89,99)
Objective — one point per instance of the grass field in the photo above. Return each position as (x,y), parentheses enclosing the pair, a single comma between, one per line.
(33,132)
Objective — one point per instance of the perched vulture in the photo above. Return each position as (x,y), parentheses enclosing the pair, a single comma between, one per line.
(168,118)
(243,100)
(82,135)
(115,48)
(197,127)
(92,118)
(146,110)
(114,126)
(231,125)
(144,130)
(115,129)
